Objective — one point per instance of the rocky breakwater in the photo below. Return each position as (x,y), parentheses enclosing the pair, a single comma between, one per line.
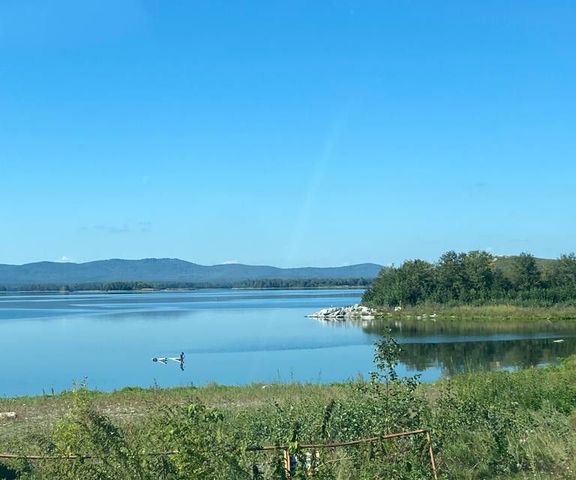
(341,314)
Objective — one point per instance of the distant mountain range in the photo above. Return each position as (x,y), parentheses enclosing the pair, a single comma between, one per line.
(168,270)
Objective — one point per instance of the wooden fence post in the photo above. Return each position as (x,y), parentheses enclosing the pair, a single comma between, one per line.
(287,464)
(431,452)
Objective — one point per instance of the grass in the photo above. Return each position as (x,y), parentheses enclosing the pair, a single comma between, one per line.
(492,425)
(37,415)
(485,313)
(506,265)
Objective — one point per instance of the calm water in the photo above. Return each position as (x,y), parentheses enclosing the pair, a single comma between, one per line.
(48,342)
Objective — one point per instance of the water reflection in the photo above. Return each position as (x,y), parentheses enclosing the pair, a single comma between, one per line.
(164,360)
(229,337)
(461,346)
(244,337)
(458,357)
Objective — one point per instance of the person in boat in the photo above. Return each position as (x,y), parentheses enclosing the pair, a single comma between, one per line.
(179,359)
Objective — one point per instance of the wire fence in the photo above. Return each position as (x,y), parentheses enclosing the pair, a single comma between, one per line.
(288,457)
(287,450)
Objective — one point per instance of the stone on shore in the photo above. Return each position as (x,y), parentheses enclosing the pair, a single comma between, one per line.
(344,313)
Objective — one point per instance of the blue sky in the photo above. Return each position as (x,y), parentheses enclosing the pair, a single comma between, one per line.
(287,133)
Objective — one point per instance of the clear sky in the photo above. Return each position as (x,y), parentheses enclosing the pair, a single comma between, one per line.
(286,132)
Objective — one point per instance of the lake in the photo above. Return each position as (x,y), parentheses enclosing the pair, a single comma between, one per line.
(49,342)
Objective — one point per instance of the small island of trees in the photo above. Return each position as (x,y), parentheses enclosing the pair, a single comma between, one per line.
(476,278)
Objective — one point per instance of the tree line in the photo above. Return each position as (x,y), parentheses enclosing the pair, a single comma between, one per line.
(476,277)
(139,285)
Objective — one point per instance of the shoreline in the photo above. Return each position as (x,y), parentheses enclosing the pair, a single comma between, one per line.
(184,289)
(534,402)
(482,314)
(485,313)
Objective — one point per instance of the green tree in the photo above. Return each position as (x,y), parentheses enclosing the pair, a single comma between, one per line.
(385,290)
(479,272)
(526,274)
(451,281)
(415,282)
(563,272)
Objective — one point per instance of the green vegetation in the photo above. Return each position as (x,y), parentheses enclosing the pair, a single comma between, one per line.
(142,286)
(502,313)
(305,283)
(477,278)
(495,425)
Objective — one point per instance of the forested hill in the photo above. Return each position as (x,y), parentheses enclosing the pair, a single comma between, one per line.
(476,278)
(172,271)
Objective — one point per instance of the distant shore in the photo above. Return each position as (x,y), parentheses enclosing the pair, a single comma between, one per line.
(172,289)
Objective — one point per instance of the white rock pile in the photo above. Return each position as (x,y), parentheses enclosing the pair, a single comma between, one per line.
(343,313)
